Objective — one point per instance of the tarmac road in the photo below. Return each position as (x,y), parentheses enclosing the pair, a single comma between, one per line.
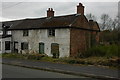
(91,71)
(21,72)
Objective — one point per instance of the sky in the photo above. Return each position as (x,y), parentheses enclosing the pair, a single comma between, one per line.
(20,9)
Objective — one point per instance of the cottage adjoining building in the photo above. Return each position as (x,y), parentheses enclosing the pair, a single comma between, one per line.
(5,39)
(63,36)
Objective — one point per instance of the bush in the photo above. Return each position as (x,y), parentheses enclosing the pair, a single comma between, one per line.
(103,51)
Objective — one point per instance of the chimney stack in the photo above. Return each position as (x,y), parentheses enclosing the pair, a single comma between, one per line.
(91,23)
(50,12)
(80,9)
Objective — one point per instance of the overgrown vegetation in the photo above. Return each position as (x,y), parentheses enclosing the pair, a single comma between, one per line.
(103,51)
(104,61)
(23,56)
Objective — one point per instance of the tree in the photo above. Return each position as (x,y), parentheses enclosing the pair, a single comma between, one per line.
(116,23)
(90,16)
(106,22)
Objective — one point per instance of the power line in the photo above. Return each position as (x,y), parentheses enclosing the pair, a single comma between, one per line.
(12,5)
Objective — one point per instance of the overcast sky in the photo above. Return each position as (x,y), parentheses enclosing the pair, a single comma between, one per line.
(14,9)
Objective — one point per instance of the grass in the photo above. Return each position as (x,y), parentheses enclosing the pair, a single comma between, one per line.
(104,61)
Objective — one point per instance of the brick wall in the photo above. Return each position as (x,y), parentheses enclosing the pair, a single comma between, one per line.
(79,39)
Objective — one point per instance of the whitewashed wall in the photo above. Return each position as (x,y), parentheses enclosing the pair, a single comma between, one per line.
(62,37)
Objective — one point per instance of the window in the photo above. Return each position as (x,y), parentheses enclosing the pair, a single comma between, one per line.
(1,32)
(8,32)
(25,32)
(24,46)
(15,45)
(7,45)
(51,32)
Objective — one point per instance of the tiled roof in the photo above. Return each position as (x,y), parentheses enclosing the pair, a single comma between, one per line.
(65,21)
(12,23)
(46,22)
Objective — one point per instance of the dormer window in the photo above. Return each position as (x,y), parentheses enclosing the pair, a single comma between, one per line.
(51,32)
(25,32)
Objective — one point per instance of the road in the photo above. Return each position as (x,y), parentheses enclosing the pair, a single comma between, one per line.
(21,72)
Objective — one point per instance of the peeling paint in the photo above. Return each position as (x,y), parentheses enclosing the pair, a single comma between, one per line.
(62,37)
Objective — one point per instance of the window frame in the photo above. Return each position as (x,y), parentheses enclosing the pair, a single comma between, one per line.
(7,46)
(23,46)
(51,32)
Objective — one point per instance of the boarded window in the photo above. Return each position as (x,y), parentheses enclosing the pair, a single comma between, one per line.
(55,50)
(25,32)
(24,46)
(7,45)
(51,32)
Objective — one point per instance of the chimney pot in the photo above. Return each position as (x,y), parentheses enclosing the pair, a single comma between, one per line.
(80,9)
(80,4)
(50,12)
(48,9)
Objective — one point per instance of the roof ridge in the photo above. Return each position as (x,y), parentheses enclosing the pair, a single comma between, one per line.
(51,17)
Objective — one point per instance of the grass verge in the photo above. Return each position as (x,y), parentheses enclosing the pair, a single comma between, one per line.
(113,62)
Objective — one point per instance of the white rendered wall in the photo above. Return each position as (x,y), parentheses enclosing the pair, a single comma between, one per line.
(62,37)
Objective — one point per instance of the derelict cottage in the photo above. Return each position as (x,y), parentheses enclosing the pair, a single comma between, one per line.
(61,36)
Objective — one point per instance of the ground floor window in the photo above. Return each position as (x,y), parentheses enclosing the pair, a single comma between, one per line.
(7,45)
(24,46)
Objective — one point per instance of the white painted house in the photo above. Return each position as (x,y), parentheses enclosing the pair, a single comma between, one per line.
(59,36)
(38,39)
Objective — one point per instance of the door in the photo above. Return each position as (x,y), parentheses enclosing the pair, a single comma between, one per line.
(55,50)
(41,48)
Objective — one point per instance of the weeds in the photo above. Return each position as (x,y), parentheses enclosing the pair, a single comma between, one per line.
(103,51)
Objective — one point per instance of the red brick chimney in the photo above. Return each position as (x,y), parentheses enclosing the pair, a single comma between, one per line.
(50,12)
(80,9)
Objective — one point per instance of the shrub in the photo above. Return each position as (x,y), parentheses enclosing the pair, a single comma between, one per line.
(100,51)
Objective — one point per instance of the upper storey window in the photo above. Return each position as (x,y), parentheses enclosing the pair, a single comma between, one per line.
(51,32)
(25,32)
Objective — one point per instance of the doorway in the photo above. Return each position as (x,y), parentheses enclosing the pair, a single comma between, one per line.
(41,48)
(55,50)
